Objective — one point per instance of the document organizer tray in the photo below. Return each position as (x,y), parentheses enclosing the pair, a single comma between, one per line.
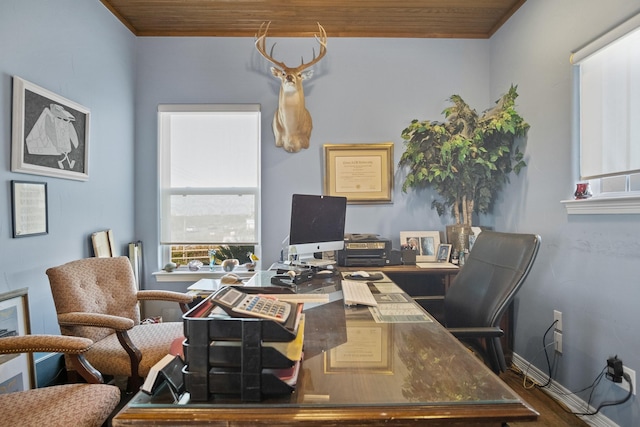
(236,369)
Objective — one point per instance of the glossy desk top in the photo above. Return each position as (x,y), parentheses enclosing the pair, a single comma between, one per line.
(403,367)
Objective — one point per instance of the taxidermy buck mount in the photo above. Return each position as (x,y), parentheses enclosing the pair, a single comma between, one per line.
(291,122)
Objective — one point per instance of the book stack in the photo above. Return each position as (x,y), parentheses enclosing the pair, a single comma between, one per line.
(249,357)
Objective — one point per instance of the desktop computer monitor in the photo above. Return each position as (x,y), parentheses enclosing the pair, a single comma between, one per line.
(317,225)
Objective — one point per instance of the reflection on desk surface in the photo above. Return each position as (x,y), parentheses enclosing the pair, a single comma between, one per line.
(355,368)
(416,364)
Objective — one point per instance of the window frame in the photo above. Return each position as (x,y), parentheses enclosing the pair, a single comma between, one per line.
(165,110)
(625,199)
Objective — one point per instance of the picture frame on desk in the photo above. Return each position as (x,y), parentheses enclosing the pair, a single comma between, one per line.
(50,134)
(370,348)
(425,243)
(444,252)
(16,370)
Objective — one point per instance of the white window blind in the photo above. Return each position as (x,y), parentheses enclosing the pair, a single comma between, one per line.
(609,102)
(209,174)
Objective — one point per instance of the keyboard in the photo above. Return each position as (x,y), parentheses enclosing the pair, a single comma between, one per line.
(355,293)
(313,262)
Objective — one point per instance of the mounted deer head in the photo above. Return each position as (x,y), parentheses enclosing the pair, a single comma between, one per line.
(292,122)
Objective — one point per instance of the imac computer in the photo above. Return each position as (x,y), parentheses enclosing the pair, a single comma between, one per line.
(317,225)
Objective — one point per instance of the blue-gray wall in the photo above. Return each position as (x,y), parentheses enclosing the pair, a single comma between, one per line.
(364,91)
(78,50)
(589,265)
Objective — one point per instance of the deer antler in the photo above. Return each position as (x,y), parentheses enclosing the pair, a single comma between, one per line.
(261,41)
(323,49)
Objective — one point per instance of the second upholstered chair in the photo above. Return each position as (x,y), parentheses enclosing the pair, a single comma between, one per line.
(97,298)
(61,405)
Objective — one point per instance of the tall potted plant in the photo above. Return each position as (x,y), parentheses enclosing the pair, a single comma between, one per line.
(467,158)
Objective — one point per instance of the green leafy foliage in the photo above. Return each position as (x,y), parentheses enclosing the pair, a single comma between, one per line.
(467,158)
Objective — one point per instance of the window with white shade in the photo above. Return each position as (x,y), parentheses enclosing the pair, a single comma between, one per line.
(608,70)
(209,174)
(608,111)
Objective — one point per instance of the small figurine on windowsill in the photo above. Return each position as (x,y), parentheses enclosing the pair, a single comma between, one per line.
(583,191)
(251,265)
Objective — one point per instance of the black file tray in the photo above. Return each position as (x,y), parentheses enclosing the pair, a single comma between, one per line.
(244,375)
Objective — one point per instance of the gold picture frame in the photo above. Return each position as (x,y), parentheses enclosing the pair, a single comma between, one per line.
(370,349)
(363,173)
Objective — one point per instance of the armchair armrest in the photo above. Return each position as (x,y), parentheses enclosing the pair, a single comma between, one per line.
(477,332)
(172,296)
(95,319)
(164,296)
(72,346)
(45,343)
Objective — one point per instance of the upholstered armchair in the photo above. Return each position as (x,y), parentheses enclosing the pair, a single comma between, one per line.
(97,298)
(60,405)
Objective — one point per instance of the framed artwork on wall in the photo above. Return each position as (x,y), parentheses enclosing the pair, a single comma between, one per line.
(425,243)
(363,173)
(29,208)
(50,134)
(16,370)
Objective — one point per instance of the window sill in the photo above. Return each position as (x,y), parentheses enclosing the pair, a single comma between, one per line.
(603,205)
(186,275)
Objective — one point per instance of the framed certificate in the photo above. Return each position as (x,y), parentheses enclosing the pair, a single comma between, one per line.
(29,200)
(363,173)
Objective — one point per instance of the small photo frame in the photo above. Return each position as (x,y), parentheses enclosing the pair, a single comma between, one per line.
(50,134)
(425,243)
(29,208)
(444,252)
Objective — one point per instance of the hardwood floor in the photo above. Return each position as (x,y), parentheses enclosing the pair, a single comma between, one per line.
(551,412)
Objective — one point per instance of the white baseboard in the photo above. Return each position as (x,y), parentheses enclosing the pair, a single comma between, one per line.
(562,395)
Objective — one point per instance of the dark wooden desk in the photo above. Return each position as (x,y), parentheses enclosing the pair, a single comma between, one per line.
(427,286)
(360,372)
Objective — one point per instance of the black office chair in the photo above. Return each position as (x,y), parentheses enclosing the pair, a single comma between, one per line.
(479,295)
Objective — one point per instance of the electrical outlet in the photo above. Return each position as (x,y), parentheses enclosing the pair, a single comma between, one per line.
(557,341)
(632,376)
(557,317)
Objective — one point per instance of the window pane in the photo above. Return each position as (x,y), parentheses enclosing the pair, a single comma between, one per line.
(213,219)
(610,109)
(209,173)
(205,145)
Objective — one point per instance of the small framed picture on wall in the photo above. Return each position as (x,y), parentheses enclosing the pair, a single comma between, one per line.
(29,208)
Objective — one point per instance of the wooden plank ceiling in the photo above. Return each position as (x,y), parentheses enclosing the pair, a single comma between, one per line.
(299,18)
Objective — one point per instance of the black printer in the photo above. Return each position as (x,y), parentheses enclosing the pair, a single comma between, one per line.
(365,250)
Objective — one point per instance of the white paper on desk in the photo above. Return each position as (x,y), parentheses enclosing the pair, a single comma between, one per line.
(205,285)
(436,265)
(387,288)
(399,313)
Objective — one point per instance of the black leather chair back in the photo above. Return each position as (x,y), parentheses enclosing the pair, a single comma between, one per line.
(493,272)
